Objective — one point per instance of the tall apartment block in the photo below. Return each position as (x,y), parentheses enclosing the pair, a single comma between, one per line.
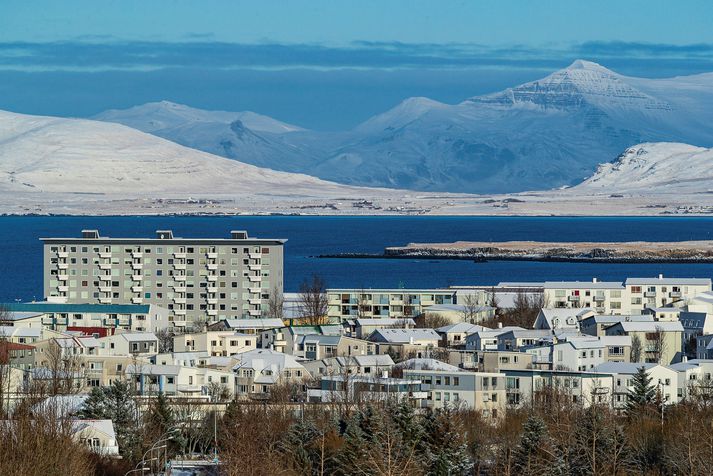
(197,279)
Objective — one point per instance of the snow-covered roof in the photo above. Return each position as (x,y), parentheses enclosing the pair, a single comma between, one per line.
(138,336)
(404,336)
(260,359)
(460,327)
(651,326)
(622,367)
(583,285)
(384,321)
(427,364)
(153,369)
(613,319)
(11,331)
(668,281)
(254,323)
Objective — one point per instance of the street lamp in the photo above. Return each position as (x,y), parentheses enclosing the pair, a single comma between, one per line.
(142,469)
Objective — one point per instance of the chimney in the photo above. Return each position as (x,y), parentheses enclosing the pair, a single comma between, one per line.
(239,235)
(660,276)
(500,325)
(385,374)
(594,280)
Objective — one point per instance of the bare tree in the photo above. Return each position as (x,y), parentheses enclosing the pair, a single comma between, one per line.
(363,306)
(313,301)
(165,340)
(470,308)
(636,349)
(276,304)
(658,344)
(429,320)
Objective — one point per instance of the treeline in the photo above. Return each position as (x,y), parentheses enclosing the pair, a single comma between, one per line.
(549,435)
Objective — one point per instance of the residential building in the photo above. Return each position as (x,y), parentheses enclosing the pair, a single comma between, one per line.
(258,371)
(487,339)
(661,342)
(602,297)
(362,388)
(97,435)
(482,391)
(129,343)
(597,325)
(581,387)
(95,319)
(622,373)
(197,279)
(561,319)
(384,303)
(215,343)
(247,326)
(179,381)
(350,365)
(585,353)
(362,328)
(661,292)
(455,335)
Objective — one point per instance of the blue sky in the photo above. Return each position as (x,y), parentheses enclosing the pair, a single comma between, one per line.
(325,64)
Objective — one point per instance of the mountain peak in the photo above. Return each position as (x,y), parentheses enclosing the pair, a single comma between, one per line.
(581,64)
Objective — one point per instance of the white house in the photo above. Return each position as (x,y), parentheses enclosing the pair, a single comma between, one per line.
(662,377)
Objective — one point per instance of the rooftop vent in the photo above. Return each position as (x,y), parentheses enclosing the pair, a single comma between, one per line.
(90,234)
(239,235)
(164,234)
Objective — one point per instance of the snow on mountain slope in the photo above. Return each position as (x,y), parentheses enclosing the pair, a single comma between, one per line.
(542,134)
(655,168)
(46,154)
(244,136)
(155,116)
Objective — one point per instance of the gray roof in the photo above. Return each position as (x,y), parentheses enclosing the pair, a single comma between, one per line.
(254,323)
(460,327)
(427,364)
(583,285)
(622,367)
(404,336)
(668,281)
(652,326)
(384,321)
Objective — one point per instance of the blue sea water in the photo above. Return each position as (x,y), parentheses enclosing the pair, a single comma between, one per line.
(21,255)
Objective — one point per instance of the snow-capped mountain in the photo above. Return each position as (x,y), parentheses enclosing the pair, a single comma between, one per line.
(156,116)
(49,154)
(655,168)
(245,136)
(543,134)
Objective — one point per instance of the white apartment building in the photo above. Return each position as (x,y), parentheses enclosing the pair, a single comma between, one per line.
(602,297)
(196,279)
(663,377)
(484,391)
(660,291)
(215,343)
(384,303)
(97,319)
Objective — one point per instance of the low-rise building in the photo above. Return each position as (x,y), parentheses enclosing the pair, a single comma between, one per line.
(362,328)
(622,373)
(384,303)
(561,319)
(660,341)
(602,297)
(215,343)
(258,371)
(580,387)
(363,388)
(661,291)
(455,335)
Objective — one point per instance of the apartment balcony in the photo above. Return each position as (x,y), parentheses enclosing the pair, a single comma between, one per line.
(179,277)
(599,298)
(212,312)
(255,255)
(212,266)
(573,298)
(63,265)
(137,300)
(137,289)
(105,266)
(63,254)
(255,312)
(600,309)
(254,290)
(137,277)
(137,265)
(254,301)
(255,267)
(255,279)
(179,288)
(105,254)
(179,312)
(104,289)
(179,300)
(211,289)
(105,300)
(105,277)
(212,278)
(179,265)
(650,294)
(212,255)
(675,294)
(63,277)
(63,289)
(137,254)
(212,300)
(179,255)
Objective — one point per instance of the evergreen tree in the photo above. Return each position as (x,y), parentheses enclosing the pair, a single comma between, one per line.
(160,415)
(115,402)
(447,448)
(528,457)
(643,393)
